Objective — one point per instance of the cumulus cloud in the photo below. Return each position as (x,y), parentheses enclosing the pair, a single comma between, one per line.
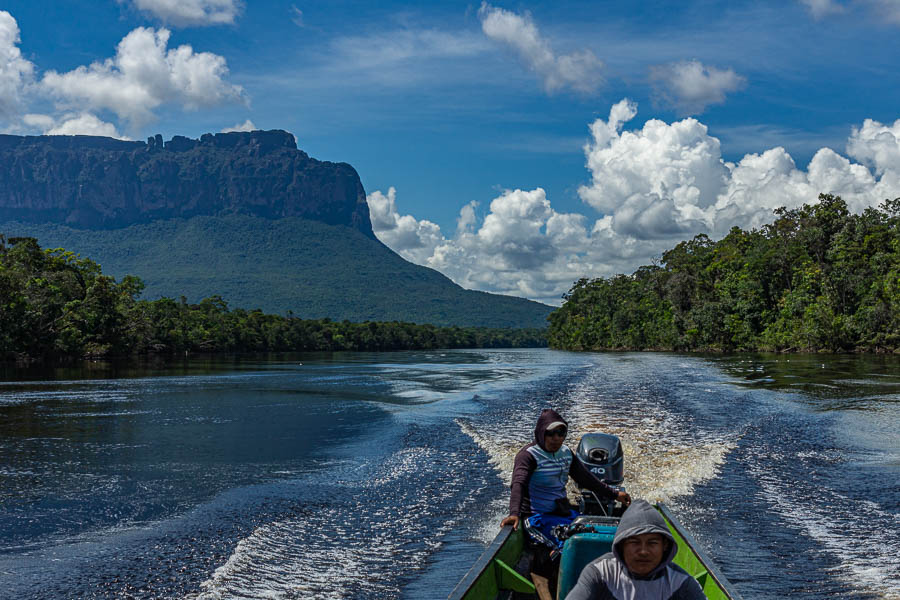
(522,247)
(42,122)
(651,188)
(414,240)
(186,13)
(580,71)
(15,72)
(656,182)
(876,145)
(143,75)
(245,126)
(72,124)
(681,165)
(84,124)
(690,86)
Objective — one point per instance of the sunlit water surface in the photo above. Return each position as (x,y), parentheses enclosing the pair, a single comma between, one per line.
(384,475)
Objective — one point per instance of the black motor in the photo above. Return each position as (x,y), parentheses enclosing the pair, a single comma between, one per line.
(601,454)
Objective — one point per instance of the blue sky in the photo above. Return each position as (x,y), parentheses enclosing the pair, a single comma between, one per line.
(514,146)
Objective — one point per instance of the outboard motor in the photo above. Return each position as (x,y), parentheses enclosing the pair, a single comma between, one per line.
(601,454)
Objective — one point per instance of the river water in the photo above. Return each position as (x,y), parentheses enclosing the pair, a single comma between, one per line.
(383,475)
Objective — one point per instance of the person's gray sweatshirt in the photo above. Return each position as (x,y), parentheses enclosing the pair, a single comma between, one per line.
(608,578)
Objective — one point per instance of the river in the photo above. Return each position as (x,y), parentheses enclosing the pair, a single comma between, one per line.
(383,475)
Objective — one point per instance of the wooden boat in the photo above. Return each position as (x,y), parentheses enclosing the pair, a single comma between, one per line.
(494,575)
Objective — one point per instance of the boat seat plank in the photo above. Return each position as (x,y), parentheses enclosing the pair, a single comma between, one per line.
(509,579)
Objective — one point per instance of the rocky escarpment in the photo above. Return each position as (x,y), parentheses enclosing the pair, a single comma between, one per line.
(92,182)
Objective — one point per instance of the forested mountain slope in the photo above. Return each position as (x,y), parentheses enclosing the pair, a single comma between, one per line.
(306,268)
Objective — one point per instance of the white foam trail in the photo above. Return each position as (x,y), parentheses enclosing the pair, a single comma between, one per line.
(866,557)
(269,563)
(501,446)
(665,456)
(501,449)
(347,548)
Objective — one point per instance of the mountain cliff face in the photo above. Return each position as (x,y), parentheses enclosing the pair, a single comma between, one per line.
(101,183)
(246,216)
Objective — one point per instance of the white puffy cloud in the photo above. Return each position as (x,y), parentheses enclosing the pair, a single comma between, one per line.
(678,164)
(185,13)
(84,124)
(42,122)
(651,187)
(245,126)
(143,75)
(412,239)
(522,247)
(72,124)
(15,72)
(681,165)
(690,86)
(876,145)
(581,71)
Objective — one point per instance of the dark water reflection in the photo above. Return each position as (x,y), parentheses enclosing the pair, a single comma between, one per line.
(826,381)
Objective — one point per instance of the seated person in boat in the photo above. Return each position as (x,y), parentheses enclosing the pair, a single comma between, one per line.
(538,494)
(640,565)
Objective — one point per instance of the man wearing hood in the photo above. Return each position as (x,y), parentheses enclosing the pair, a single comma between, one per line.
(640,564)
(538,493)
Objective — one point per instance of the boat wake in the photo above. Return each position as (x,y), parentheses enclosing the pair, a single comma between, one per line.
(354,543)
(666,455)
(849,531)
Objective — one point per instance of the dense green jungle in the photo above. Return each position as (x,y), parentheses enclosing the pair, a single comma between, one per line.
(818,279)
(56,305)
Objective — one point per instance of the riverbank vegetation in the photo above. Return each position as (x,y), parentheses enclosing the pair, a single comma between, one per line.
(817,279)
(315,269)
(56,305)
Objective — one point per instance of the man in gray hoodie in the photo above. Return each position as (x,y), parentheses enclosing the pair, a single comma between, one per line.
(640,565)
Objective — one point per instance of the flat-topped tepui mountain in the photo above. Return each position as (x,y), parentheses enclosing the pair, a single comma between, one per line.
(243,215)
(102,183)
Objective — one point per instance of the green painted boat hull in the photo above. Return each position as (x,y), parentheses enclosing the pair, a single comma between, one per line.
(493,577)
(692,559)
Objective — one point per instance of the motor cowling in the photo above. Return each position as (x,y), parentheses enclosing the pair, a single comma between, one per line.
(601,454)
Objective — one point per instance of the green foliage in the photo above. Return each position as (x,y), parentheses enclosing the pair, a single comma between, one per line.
(818,279)
(311,269)
(55,305)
